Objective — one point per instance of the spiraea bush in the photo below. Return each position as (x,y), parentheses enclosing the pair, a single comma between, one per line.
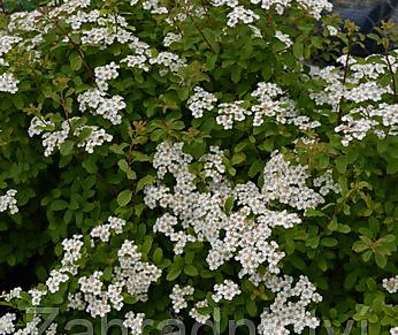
(197,160)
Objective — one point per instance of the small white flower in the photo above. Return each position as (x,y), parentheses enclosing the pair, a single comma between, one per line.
(8,202)
(8,83)
(284,38)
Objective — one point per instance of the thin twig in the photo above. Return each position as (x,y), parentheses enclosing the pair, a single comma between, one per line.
(393,80)
(75,46)
(201,33)
(346,70)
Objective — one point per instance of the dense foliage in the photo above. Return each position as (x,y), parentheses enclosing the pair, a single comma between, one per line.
(197,160)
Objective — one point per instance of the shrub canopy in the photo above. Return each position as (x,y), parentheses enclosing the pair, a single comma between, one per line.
(197,160)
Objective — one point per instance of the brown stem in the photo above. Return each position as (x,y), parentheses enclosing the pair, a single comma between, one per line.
(74,45)
(201,33)
(178,28)
(346,69)
(65,110)
(205,4)
(394,82)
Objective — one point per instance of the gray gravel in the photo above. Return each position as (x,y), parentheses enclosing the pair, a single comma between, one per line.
(360,4)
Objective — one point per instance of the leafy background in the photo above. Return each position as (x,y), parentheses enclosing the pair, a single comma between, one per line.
(346,249)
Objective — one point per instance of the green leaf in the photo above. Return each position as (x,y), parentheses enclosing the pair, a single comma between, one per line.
(75,61)
(229,204)
(67,148)
(123,165)
(157,256)
(298,49)
(58,205)
(251,307)
(256,167)
(90,165)
(359,246)
(329,242)
(238,158)
(124,198)
(129,299)
(191,270)
(147,245)
(341,165)
(145,181)
(381,260)
(174,272)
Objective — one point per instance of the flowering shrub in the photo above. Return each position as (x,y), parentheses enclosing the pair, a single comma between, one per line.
(186,160)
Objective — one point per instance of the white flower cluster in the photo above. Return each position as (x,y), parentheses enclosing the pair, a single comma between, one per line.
(169,61)
(359,84)
(7,324)
(154,7)
(200,102)
(94,296)
(228,113)
(382,120)
(55,280)
(284,38)
(356,128)
(105,73)
(104,36)
(8,83)
(36,296)
(103,232)
(98,103)
(237,235)
(72,253)
(140,58)
(171,38)
(271,103)
(130,275)
(96,137)
(69,266)
(15,293)
(391,284)
(52,139)
(52,329)
(313,7)
(227,291)
(333,31)
(6,44)
(370,91)
(8,202)
(349,84)
(134,323)
(241,14)
(289,308)
(197,314)
(229,3)
(39,125)
(316,7)
(178,297)
(77,20)
(325,183)
(32,327)
(134,274)
(287,184)
(106,30)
